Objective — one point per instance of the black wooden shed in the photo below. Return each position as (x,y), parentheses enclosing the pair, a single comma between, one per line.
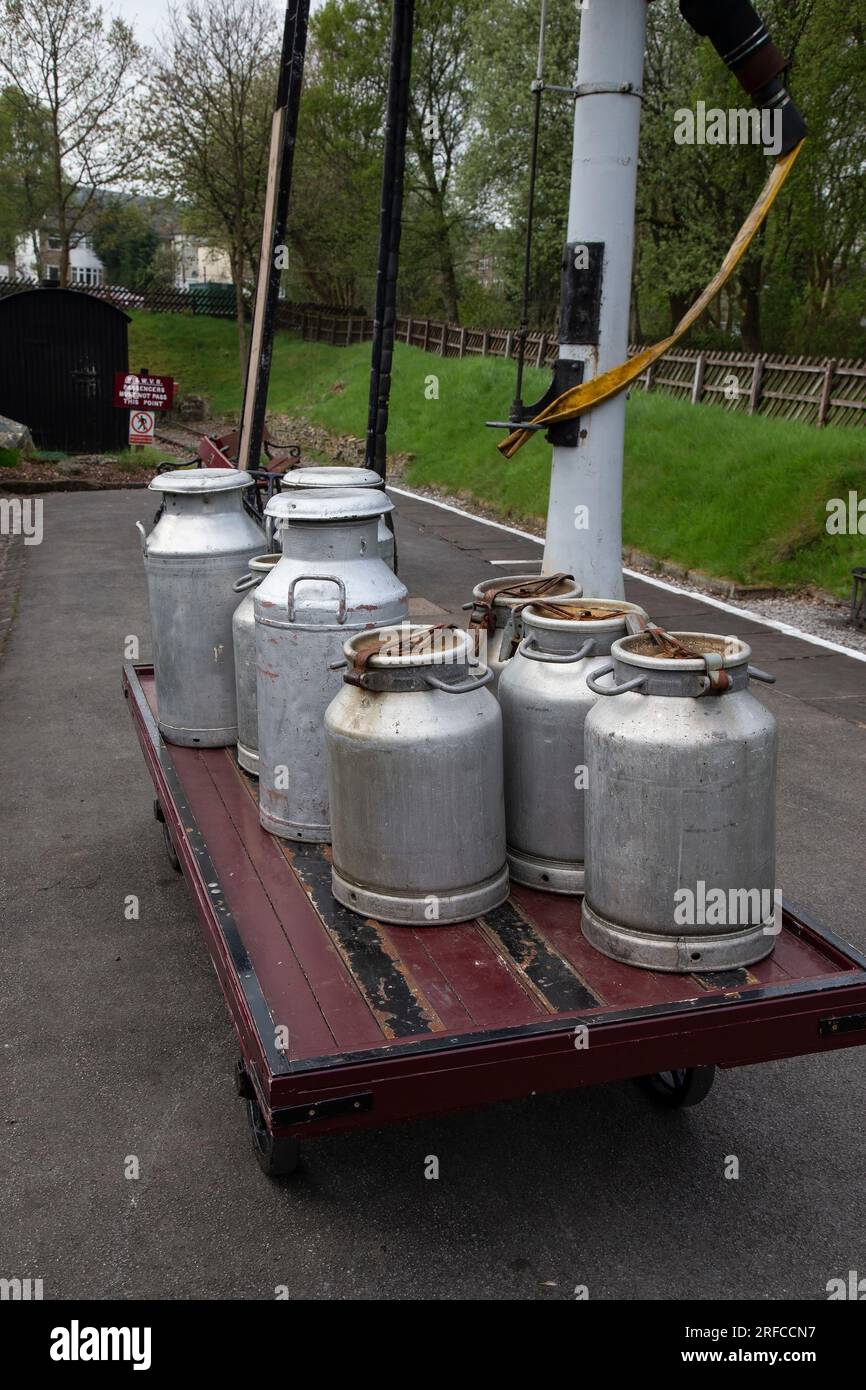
(59,351)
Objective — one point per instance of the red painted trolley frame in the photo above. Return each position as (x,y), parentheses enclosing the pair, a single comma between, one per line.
(343,1022)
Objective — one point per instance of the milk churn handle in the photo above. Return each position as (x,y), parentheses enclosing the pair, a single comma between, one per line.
(245,582)
(758,675)
(326,578)
(461,687)
(528,648)
(143,535)
(592,682)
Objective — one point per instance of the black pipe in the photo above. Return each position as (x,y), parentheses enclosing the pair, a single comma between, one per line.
(390,227)
(742,42)
(291,76)
(523,330)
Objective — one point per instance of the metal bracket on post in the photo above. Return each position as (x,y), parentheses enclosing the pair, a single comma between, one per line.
(568,372)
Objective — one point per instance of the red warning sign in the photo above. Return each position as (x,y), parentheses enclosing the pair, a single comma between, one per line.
(133,389)
(141,426)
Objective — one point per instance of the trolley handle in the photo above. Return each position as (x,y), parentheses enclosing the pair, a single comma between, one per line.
(592,682)
(460,687)
(529,649)
(322,578)
(758,675)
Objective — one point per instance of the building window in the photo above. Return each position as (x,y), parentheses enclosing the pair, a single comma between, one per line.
(52,272)
(54,243)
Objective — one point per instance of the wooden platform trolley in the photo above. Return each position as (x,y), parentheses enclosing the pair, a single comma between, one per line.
(345,1023)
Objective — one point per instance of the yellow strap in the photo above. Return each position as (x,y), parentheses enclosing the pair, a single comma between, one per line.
(580,399)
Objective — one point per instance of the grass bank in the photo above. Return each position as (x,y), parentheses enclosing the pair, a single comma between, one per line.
(743,499)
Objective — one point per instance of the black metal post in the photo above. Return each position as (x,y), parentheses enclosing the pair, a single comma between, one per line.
(390,226)
(523,330)
(284,132)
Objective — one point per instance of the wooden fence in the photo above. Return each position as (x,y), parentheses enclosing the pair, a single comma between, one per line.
(817,391)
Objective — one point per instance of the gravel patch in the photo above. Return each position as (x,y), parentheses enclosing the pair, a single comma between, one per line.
(818,616)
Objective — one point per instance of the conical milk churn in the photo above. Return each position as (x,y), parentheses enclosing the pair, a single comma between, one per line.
(545,699)
(192,557)
(680,827)
(414,744)
(244,635)
(344,475)
(328,584)
(495,619)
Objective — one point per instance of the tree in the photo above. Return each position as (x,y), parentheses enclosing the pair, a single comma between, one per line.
(693,198)
(333,214)
(124,239)
(213,95)
(77,71)
(494,176)
(25,169)
(439,114)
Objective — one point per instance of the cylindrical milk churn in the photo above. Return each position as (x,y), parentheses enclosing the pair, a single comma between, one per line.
(545,699)
(244,634)
(680,827)
(344,475)
(192,557)
(328,584)
(414,744)
(496,608)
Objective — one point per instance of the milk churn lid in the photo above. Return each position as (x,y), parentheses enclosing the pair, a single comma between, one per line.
(515,590)
(329,504)
(582,614)
(641,651)
(201,480)
(402,646)
(260,564)
(331,475)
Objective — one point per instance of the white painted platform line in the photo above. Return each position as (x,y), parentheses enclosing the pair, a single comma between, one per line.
(785,628)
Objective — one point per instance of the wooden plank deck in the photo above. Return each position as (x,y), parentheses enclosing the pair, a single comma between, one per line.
(341,983)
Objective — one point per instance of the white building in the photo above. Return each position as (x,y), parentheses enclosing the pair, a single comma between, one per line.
(37,257)
(197,264)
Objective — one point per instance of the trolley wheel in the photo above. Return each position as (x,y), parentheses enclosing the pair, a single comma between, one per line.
(170,850)
(276,1157)
(675,1089)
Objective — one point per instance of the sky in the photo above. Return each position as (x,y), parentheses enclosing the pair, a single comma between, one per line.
(149,17)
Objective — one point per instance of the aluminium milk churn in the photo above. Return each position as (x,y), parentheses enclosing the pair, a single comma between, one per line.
(203,537)
(496,608)
(244,635)
(680,827)
(414,743)
(344,475)
(544,697)
(329,584)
